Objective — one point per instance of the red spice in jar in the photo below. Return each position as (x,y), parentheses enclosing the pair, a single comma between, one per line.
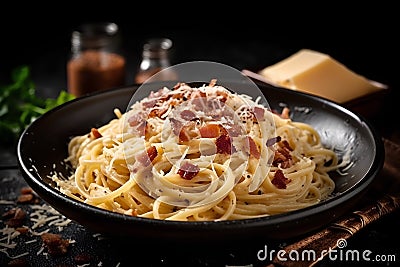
(94,71)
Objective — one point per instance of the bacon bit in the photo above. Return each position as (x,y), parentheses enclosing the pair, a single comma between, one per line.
(19,262)
(149,104)
(135,212)
(234,130)
(210,130)
(285,113)
(56,245)
(147,157)
(161,92)
(188,115)
(188,170)
(25,198)
(22,230)
(184,135)
(272,141)
(282,156)
(254,151)
(279,180)
(8,214)
(136,119)
(82,258)
(223,130)
(286,145)
(223,96)
(26,190)
(95,133)
(141,128)
(258,114)
(186,132)
(157,112)
(152,152)
(199,103)
(213,106)
(15,217)
(175,125)
(227,113)
(223,144)
(138,123)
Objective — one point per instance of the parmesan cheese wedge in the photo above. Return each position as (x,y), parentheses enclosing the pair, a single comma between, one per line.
(319,74)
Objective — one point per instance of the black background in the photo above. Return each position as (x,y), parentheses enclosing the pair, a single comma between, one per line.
(242,35)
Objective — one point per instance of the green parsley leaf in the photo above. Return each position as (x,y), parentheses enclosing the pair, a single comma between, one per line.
(20,106)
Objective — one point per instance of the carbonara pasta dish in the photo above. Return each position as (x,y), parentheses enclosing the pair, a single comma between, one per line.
(200,154)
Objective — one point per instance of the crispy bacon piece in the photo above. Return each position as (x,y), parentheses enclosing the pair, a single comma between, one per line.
(253,148)
(223,144)
(157,112)
(152,152)
(188,115)
(210,130)
(82,259)
(184,135)
(150,103)
(187,132)
(26,190)
(147,157)
(95,133)
(222,96)
(282,155)
(138,123)
(176,125)
(15,217)
(183,132)
(22,229)
(279,180)
(272,141)
(19,262)
(25,198)
(258,114)
(136,119)
(233,130)
(55,244)
(188,170)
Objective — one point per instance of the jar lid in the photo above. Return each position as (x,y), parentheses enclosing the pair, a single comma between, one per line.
(95,34)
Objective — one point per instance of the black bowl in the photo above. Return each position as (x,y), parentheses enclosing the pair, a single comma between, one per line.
(43,146)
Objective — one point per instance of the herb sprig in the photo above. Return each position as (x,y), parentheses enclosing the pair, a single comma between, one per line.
(20,106)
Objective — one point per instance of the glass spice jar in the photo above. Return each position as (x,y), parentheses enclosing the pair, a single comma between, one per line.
(97,62)
(155,61)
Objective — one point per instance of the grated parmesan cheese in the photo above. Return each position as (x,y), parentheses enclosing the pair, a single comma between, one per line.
(41,219)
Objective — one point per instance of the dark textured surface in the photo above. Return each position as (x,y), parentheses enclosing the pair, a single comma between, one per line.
(379,238)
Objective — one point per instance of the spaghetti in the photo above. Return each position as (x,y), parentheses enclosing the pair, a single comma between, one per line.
(200,154)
